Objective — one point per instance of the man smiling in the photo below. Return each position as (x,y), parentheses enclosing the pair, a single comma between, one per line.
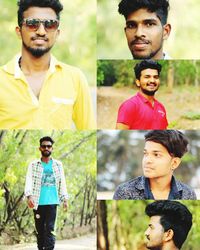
(146,27)
(38,91)
(162,155)
(143,111)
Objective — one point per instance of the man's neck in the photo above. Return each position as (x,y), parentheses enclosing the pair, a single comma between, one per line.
(169,246)
(148,97)
(160,186)
(31,65)
(45,159)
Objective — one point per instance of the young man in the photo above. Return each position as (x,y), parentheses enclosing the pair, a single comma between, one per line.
(146,27)
(45,189)
(143,111)
(162,155)
(38,91)
(170,223)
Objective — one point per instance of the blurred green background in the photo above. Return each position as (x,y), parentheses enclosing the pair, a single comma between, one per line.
(183,42)
(76,44)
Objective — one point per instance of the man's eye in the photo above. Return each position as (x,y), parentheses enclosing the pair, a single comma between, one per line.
(130,26)
(157,155)
(149,24)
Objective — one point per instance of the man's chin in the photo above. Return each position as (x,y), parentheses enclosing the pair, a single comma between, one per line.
(37,51)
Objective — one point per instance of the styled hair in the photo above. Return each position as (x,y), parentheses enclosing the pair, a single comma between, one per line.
(173,215)
(46,138)
(160,7)
(146,64)
(23,5)
(173,140)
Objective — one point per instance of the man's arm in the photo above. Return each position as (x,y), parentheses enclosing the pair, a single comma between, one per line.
(122,126)
(28,187)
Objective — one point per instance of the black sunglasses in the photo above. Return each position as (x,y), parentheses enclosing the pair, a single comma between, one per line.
(33,24)
(46,146)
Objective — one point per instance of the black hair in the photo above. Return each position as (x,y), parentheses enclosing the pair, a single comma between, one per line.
(160,7)
(25,4)
(146,64)
(173,140)
(46,138)
(175,216)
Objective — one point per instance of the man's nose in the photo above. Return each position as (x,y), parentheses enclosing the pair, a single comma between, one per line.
(41,30)
(139,31)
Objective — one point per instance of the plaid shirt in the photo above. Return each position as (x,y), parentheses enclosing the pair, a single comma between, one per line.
(34,180)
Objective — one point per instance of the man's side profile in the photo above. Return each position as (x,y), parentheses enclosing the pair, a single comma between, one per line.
(146,27)
(143,111)
(170,223)
(45,189)
(163,151)
(38,91)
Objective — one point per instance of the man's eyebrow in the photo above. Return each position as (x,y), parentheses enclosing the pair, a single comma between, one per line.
(144,20)
(154,151)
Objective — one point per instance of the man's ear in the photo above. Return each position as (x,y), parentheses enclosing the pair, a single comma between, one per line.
(166,31)
(175,162)
(137,83)
(18,32)
(168,235)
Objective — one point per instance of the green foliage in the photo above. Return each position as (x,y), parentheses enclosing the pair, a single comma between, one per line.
(76,150)
(105,73)
(192,115)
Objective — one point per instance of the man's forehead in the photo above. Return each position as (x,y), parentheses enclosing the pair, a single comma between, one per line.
(142,15)
(149,71)
(40,13)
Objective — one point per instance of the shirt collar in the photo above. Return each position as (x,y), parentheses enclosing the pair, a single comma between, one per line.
(143,98)
(13,68)
(175,191)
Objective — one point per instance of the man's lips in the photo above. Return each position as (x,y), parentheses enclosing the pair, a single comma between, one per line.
(140,44)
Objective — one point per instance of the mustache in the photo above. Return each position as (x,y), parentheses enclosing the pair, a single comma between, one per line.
(140,40)
(39,37)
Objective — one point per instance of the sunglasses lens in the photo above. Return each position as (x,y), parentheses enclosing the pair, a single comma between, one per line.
(46,146)
(51,25)
(33,24)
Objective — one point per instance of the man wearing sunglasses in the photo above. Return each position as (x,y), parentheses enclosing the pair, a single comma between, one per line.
(38,91)
(45,189)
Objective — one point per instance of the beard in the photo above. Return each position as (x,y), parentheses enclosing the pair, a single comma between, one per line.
(46,153)
(37,52)
(147,56)
(149,93)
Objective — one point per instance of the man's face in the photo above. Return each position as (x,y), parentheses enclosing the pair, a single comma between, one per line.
(46,148)
(157,162)
(145,34)
(154,235)
(149,81)
(39,41)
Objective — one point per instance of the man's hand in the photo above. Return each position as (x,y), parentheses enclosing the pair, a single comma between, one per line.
(65,205)
(30,202)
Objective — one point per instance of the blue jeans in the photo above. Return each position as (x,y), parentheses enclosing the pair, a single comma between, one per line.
(45,217)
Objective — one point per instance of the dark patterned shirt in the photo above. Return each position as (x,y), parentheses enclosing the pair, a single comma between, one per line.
(136,189)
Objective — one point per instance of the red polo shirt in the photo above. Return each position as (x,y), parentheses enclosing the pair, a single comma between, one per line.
(138,113)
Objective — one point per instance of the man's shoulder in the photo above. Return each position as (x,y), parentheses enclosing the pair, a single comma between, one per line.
(187,192)
(70,68)
(130,102)
(57,162)
(131,189)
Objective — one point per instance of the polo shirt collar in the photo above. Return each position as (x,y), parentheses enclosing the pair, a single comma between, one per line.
(13,68)
(143,98)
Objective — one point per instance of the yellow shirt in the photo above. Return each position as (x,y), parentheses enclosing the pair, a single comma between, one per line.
(64,97)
